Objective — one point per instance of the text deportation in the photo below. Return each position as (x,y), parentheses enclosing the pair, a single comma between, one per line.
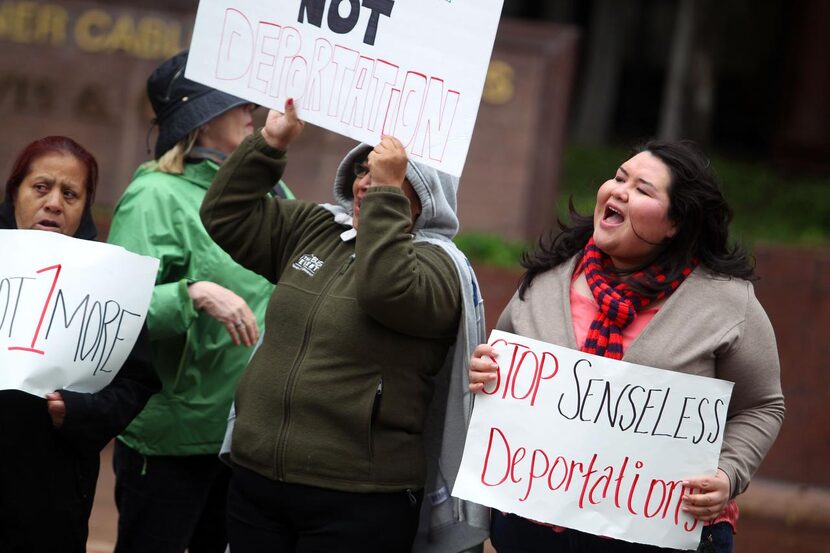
(349,88)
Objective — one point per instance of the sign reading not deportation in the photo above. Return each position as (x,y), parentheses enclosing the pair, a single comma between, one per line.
(70,310)
(411,69)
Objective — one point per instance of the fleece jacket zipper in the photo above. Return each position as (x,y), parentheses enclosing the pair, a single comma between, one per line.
(288,393)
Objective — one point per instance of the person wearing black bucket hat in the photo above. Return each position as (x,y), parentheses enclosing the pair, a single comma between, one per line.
(181,105)
(205,315)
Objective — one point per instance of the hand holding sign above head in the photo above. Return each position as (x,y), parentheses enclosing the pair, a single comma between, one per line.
(281,129)
(387,162)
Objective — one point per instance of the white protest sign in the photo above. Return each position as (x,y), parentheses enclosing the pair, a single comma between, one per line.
(413,69)
(591,443)
(70,310)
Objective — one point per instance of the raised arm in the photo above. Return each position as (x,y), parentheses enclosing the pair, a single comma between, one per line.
(238,213)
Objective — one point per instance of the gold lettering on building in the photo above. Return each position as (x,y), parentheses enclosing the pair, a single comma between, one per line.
(147,38)
(33,23)
(90,30)
(498,86)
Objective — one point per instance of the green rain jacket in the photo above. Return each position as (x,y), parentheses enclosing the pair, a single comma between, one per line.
(198,364)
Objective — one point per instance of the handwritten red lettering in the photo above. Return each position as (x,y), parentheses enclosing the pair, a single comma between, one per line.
(352,89)
(525,371)
(31,348)
(653,501)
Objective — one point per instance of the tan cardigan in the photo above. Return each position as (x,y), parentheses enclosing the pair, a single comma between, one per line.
(710,326)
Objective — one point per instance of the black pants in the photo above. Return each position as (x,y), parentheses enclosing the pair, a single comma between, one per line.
(46,487)
(264,515)
(513,534)
(168,504)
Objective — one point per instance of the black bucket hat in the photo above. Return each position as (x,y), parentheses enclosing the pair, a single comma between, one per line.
(182,105)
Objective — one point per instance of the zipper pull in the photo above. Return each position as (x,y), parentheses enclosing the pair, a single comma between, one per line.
(412,499)
(347,264)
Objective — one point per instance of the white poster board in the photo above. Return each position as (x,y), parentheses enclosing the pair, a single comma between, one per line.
(413,69)
(586,442)
(70,310)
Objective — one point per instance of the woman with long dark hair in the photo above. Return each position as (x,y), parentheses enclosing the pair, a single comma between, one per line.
(654,263)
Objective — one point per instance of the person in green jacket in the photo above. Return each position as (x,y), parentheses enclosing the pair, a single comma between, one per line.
(206,313)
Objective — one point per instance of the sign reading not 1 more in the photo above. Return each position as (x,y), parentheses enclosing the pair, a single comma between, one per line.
(70,310)
(414,69)
(591,443)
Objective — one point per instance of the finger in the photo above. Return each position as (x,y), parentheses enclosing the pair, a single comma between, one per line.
(291,111)
(480,381)
(56,407)
(700,482)
(249,333)
(485,363)
(250,326)
(255,332)
(483,349)
(478,376)
(244,336)
(394,144)
(484,377)
(231,328)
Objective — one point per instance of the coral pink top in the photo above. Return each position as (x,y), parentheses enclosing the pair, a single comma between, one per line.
(583,310)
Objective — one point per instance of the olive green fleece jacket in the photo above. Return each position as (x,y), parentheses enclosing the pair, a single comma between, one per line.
(336,396)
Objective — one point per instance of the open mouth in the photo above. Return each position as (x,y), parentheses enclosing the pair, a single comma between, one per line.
(612,216)
(49,224)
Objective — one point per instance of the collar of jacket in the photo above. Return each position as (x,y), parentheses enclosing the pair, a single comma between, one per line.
(201,173)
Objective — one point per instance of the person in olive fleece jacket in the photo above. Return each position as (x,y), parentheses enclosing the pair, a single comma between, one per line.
(328,445)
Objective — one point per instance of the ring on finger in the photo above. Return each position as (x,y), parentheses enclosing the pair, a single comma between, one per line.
(239,323)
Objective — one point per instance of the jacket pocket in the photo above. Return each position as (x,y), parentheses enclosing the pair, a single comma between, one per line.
(373,415)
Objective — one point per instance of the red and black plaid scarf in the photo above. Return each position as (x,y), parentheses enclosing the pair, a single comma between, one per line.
(618,302)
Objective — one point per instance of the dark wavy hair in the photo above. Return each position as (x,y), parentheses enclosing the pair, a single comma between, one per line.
(48,145)
(696,205)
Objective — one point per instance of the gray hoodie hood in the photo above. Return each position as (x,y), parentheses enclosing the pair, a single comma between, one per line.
(436,190)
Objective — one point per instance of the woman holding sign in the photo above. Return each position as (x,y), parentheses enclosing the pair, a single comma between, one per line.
(49,464)
(374,309)
(652,279)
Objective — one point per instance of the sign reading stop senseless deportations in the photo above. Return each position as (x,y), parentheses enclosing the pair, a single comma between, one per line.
(590,443)
(413,69)
(70,310)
